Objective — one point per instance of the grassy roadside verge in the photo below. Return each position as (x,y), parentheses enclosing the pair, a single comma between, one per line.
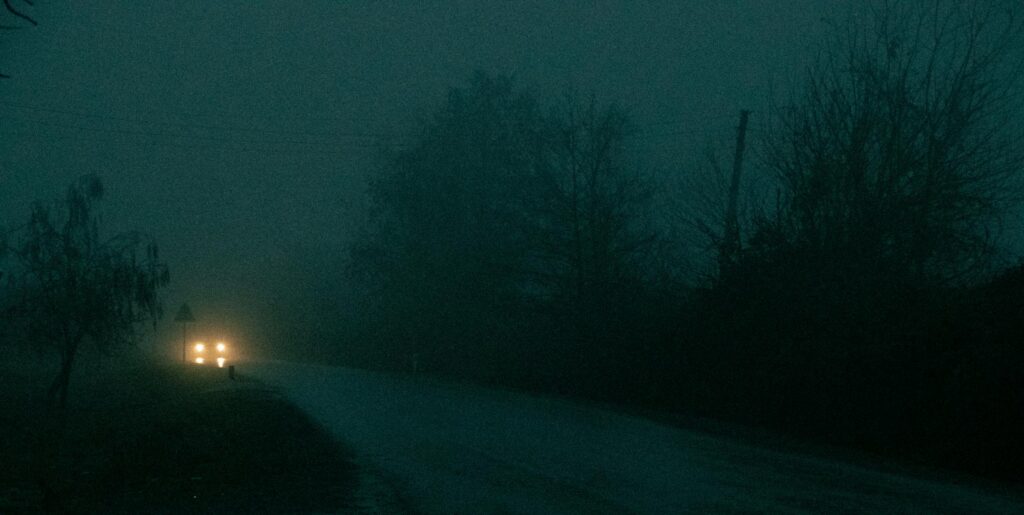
(159,439)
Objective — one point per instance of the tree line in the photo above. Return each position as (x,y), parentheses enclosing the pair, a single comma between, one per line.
(517,241)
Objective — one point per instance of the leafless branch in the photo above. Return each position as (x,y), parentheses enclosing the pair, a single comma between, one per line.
(11,9)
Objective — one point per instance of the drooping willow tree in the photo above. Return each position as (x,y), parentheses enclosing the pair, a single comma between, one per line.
(72,286)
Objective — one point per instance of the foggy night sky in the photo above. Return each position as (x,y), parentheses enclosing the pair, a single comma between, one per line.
(192,113)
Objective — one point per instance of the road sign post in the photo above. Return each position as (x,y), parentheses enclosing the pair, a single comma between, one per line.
(184,316)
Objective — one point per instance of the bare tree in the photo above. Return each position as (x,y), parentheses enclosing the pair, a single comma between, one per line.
(901,148)
(74,287)
(589,207)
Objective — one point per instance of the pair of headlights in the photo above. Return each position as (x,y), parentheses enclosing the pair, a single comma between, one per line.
(220,349)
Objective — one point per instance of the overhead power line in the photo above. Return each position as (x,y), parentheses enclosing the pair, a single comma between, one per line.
(174,135)
(322,142)
(140,121)
(646,130)
(46,137)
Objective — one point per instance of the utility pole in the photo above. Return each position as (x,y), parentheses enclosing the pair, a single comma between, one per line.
(731,239)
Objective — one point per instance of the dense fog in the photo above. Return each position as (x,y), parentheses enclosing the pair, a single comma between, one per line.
(800,216)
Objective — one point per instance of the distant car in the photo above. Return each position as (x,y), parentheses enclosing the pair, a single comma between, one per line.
(203,354)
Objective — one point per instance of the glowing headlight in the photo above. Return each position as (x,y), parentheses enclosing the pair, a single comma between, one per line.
(220,362)
(200,361)
(200,347)
(221,347)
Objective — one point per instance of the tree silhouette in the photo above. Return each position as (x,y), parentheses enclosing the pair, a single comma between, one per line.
(496,217)
(443,248)
(587,211)
(73,286)
(900,149)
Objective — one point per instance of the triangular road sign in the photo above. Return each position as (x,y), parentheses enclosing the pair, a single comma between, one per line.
(184,314)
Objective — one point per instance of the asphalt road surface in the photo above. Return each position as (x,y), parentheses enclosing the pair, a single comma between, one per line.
(434,447)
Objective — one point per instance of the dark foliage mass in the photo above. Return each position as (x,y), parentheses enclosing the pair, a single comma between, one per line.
(513,243)
(505,234)
(852,313)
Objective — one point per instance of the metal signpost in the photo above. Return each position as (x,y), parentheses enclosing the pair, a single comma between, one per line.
(184,316)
